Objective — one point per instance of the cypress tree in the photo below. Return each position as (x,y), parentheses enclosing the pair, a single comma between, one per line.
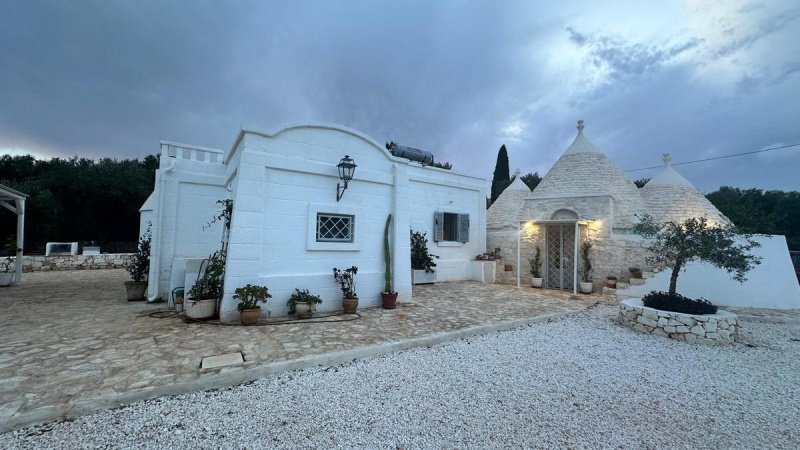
(501,178)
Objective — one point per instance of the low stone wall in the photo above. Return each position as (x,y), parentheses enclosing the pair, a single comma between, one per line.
(76,262)
(710,329)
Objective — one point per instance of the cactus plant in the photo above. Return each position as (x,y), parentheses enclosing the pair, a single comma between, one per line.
(388,296)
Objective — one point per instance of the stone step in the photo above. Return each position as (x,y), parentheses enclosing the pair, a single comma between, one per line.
(648,274)
(622,285)
(637,281)
(609,291)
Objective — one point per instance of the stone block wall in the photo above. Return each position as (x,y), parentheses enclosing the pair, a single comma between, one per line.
(710,329)
(73,262)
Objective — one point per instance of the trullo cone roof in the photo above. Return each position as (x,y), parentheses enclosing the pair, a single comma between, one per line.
(670,197)
(506,211)
(583,170)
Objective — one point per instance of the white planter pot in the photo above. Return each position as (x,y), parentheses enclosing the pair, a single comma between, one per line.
(303,309)
(586,288)
(422,277)
(5,278)
(199,309)
(537,282)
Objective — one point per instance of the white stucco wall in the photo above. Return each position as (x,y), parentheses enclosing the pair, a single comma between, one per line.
(772,284)
(283,178)
(187,188)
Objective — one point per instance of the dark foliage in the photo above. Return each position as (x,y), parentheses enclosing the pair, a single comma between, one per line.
(444,165)
(421,259)
(78,199)
(502,177)
(641,182)
(678,303)
(759,211)
(140,266)
(532,179)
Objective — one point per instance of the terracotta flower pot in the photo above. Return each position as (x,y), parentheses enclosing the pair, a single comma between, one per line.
(250,316)
(350,305)
(389,300)
(135,290)
(611,283)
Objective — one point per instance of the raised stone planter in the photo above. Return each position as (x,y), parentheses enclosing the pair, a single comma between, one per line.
(710,329)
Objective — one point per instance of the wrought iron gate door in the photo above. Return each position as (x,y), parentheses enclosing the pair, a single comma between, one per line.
(560,256)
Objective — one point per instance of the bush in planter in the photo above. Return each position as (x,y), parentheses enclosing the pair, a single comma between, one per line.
(140,265)
(139,268)
(347,280)
(303,296)
(421,259)
(536,264)
(586,266)
(209,284)
(678,303)
(249,296)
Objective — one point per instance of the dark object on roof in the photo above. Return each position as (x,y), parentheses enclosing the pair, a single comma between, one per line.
(411,153)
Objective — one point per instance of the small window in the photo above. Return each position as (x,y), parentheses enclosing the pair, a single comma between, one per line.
(335,227)
(450,227)
(450,231)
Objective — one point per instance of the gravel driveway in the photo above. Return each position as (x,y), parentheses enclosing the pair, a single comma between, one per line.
(580,382)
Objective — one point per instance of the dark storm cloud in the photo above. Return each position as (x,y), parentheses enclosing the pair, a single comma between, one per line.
(112,78)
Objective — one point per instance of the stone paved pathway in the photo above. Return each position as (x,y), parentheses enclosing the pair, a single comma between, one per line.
(70,337)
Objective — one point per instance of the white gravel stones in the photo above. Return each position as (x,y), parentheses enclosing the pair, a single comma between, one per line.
(573,383)
(696,329)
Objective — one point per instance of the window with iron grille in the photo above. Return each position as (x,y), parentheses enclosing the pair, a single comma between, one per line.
(335,227)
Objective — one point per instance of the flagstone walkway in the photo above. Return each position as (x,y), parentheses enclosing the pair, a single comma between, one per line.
(70,343)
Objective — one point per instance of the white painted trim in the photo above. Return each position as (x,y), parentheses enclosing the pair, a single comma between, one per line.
(192,147)
(326,169)
(446,183)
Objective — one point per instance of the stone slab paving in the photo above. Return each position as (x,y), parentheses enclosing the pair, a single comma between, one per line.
(71,343)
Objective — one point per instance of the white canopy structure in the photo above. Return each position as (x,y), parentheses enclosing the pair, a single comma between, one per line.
(14,201)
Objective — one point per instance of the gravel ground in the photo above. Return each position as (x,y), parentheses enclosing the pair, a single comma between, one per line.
(579,382)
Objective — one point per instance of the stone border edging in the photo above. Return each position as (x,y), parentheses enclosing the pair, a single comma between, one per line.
(229,379)
(712,329)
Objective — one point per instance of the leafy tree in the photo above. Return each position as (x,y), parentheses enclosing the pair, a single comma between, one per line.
(502,177)
(79,199)
(759,211)
(532,180)
(641,182)
(674,245)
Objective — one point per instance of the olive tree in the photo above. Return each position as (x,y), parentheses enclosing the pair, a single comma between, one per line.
(676,244)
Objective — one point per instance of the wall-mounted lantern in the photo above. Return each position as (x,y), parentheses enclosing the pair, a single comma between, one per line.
(346,169)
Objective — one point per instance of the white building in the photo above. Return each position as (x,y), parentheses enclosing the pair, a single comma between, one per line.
(584,195)
(288,230)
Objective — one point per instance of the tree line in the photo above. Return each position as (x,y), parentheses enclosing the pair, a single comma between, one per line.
(78,199)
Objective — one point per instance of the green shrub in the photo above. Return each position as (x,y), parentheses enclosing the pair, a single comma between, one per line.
(421,259)
(250,295)
(678,303)
(140,266)
(303,296)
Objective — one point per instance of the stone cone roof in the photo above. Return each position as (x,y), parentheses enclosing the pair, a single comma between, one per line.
(583,170)
(506,211)
(670,197)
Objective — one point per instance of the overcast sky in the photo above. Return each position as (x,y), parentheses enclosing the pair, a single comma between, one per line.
(695,78)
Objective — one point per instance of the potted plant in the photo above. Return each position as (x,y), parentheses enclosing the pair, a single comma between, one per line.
(388,296)
(536,268)
(303,303)
(346,279)
(421,260)
(248,297)
(586,269)
(611,282)
(635,272)
(139,268)
(5,272)
(201,303)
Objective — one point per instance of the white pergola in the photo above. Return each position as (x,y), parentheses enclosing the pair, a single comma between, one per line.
(14,201)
